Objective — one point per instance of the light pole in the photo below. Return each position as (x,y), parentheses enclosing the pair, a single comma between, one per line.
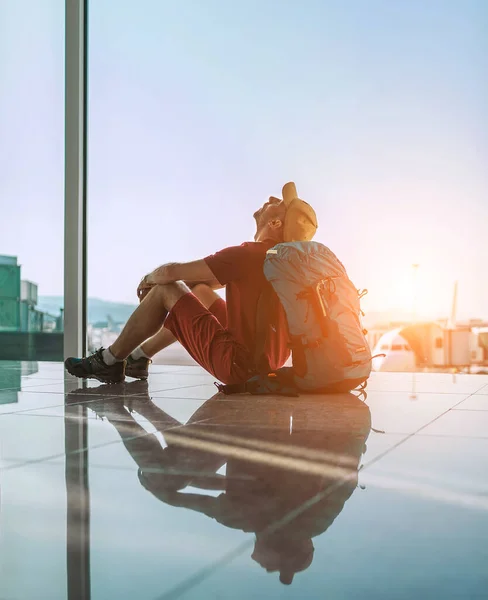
(415,268)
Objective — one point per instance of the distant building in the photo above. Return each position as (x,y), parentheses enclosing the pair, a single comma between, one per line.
(18,301)
(431,345)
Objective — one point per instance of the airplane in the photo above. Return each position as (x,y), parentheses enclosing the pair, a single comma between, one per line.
(396,351)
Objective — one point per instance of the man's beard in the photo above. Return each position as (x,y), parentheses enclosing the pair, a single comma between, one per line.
(258,217)
(259,227)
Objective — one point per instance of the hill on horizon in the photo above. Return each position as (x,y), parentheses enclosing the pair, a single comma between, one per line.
(98,309)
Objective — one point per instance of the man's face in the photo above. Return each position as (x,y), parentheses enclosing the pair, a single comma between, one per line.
(268,211)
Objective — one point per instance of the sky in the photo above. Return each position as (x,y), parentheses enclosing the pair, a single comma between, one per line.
(198,111)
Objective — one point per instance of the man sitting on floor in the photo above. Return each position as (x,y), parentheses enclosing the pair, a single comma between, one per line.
(178,302)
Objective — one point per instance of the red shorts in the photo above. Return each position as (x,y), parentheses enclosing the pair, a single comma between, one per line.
(202,332)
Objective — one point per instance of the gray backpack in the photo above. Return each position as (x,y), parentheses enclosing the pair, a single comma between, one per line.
(329,349)
(323,314)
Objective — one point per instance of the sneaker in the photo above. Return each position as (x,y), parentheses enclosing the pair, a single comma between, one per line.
(94,367)
(137,368)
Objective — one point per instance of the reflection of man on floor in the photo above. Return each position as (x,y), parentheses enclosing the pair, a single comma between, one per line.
(287,485)
(178,302)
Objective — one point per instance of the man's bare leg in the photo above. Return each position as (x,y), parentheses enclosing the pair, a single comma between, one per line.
(148,317)
(164,337)
(109,365)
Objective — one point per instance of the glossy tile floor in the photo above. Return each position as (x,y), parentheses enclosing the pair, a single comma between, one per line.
(166,490)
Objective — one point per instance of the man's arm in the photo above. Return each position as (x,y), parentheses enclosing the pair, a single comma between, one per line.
(216,270)
(191,273)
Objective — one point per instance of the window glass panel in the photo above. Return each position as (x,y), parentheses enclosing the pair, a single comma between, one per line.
(31,179)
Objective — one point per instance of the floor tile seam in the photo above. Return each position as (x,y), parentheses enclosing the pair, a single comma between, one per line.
(175,366)
(64,405)
(46,375)
(370,391)
(56,463)
(454,407)
(184,387)
(443,435)
(43,369)
(152,394)
(470,409)
(34,381)
(464,396)
(172,371)
(485,385)
(161,376)
(52,416)
(154,369)
(185,384)
(179,374)
(376,459)
(28,391)
(175,374)
(198,384)
(452,436)
(66,417)
(83,450)
(30,378)
(180,398)
(26,388)
(98,399)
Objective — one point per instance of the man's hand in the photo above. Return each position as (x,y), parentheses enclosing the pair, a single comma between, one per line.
(191,273)
(159,276)
(143,288)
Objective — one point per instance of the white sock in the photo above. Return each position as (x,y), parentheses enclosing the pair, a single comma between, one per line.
(108,358)
(139,353)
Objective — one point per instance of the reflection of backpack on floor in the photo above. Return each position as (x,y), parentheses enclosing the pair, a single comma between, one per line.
(287,485)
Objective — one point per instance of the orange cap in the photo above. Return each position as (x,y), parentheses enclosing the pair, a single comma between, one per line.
(300,219)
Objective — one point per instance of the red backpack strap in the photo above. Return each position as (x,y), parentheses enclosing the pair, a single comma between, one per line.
(263,323)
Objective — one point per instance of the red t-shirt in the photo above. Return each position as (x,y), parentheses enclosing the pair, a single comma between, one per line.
(240,269)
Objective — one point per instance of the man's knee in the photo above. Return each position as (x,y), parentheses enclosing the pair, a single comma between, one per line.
(200,289)
(205,294)
(169,293)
